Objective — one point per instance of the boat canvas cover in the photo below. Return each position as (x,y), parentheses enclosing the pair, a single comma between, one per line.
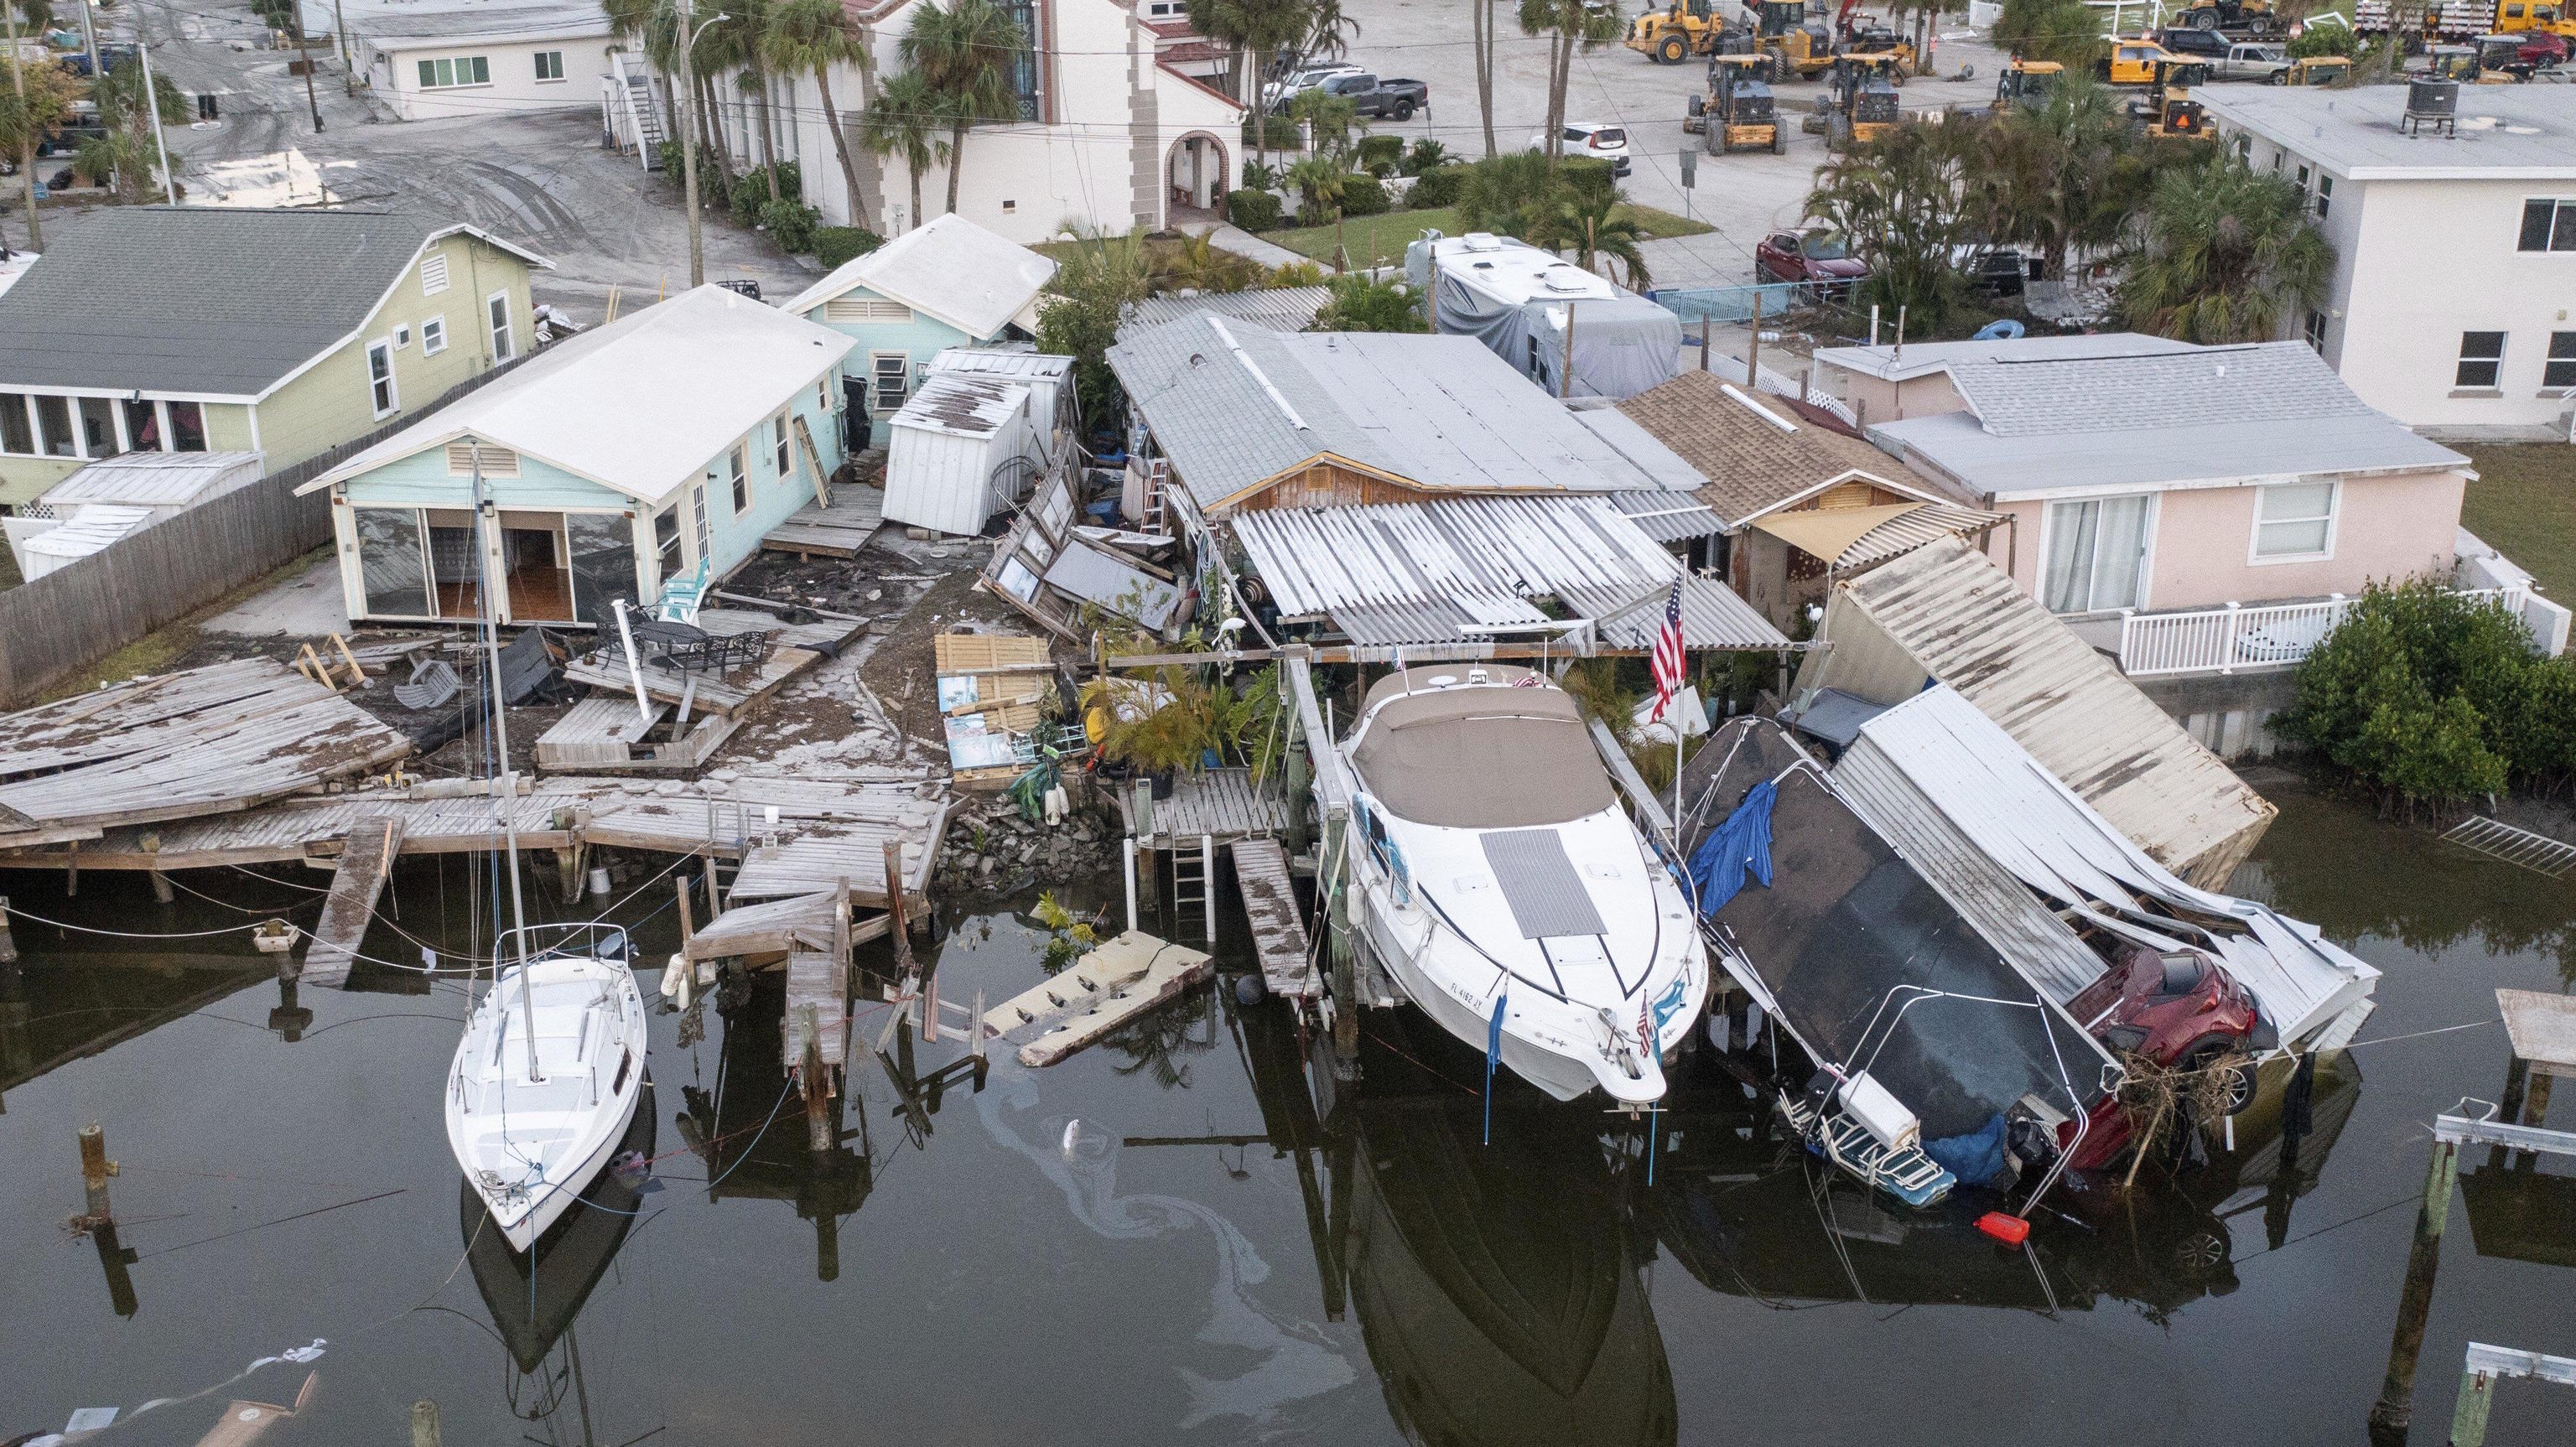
(2029,822)
(1482,757)
(1848,932)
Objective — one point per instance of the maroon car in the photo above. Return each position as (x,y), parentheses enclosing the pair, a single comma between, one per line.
(2541,49)
(2177,1009)
(1815,256)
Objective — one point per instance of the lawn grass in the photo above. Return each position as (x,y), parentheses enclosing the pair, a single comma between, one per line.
(1380,240)
(2524,505)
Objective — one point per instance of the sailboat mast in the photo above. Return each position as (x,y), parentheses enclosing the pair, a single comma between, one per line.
(509,809)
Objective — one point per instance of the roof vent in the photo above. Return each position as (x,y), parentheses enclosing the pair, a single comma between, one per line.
(1482,241)
(1565,279)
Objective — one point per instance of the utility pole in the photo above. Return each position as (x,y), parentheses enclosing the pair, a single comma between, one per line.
(688,142)
(152,103)
(89,36)
(348,67)
(27,153)
(306,52)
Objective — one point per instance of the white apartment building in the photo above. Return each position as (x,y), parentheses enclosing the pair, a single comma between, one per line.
(432,61)
(2453,306)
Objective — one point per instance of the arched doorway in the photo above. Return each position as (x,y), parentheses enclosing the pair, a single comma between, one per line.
(1195,179)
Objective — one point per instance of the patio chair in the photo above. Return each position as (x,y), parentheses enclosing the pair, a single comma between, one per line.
(681,597)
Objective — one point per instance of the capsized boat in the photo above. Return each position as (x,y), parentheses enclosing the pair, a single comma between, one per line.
(547,1076)
(1493,866)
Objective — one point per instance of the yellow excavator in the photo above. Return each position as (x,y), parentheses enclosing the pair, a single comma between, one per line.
(2168,109)
(2028,83)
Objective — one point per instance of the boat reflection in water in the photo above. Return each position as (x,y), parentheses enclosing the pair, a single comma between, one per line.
(535,1297)
(1500,1289)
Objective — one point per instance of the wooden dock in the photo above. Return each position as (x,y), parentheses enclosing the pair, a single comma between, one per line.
(837,531)
(366,857)
(1221,804)
(818,996)
(1278,935)
(1112,985)
(202,741)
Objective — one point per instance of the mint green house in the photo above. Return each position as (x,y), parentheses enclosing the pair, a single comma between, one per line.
(945,284)
(212,329)
(612,463)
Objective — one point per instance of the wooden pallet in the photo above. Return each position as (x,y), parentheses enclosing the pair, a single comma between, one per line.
(837,531)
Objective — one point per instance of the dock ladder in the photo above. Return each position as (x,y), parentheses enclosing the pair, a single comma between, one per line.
(1194,884)
(2498,840)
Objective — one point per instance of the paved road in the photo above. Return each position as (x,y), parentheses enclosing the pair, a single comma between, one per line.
(1742,195)
(539,178)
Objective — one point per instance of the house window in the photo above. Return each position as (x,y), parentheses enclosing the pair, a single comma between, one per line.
(187,427)
(779,444)
(98,427)
(54,421)
(433,336)
(2548,226)
(380,378)
(433,275)
(497,307)
(2097,551)
(738,468)
(392,559)
(893,378)
(666,540)
(550,65)
(2561,368)
(447,73)
(1023,74)
(2481,359)
(402,336)
(17,432)
(2325,195)
(698,520)
(2294,520)
(2316,331)
(143,427)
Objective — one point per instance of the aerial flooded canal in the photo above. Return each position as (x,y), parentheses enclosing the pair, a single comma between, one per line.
(1159,1241)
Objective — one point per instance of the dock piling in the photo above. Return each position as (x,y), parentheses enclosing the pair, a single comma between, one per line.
(1128,852)
(161,891)
(95,1169)
(2395,1409)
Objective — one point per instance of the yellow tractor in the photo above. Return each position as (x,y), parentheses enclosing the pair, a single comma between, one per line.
(1739,112)
(1667,36)
(2168,109)
(2318,70)
(2028,83)
(2237,17)
(1877,42)
(1861,106)
(1797,46)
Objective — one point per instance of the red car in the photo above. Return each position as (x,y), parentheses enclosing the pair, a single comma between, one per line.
(2179,1010)
(2541,49)
(1815,256)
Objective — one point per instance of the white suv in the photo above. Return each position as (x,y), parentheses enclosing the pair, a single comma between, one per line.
(1601,142)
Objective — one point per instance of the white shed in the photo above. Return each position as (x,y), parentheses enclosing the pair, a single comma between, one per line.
(1054,411)
(115,496)
(961,450)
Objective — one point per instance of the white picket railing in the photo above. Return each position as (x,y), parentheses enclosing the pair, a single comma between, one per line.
(2223,640)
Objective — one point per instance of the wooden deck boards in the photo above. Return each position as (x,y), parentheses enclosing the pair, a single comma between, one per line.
(839,531)
(366,856)
(201,741)
(1112,985)
(1278,933)
(816,1007)
(1221,803)
(601,731)
(727,694)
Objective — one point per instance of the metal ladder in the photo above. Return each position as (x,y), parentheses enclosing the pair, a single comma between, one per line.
(1158,476)
(1194,884)
(2498,840)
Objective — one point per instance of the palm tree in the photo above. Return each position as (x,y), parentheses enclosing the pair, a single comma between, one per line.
(2224,253)
(966,52)
(904,121)
(1199,265)
(745,22)
(1570,26)
(814,36)
(1585,220)
(2060,178)
(1318,180)
(1899,202)
(1256,29)
(655,27)
(1506,194)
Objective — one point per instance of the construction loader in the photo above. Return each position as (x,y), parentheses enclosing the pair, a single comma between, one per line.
(1739,112)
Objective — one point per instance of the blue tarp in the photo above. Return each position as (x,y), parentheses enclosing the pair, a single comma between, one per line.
(1742,843)
(1976,1158)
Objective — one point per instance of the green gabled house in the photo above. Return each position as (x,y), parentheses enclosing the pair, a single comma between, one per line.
(285,333)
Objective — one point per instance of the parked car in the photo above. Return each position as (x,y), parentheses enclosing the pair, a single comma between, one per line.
(1278,93)
(2542,49)
(1995,270)
(1394,98)
(2252,60)
(110,56)
(2192,41)
(1597,139)
(1811,256)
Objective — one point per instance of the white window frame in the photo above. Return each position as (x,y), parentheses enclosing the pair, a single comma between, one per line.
(402,335)
(2255,557)
(557,57)
(2146,553)
(782,444)
(456,65)
(389,382)
(2558,219)
(2461,358)
(501,333)
(433,336)
(738,477)
(877,402)
(2549,358)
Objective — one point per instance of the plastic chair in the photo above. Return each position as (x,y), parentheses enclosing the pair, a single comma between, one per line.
(681,597)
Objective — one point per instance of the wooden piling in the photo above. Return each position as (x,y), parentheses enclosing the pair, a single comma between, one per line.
(2395,1409)
(895,909)
(424,1423)
(2469,1414)
(688,929)
(1338,942)
(161,891)
(2535,1111)
(95,1169)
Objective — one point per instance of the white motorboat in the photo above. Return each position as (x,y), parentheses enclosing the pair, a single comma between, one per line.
(1491,864)
(547,1078)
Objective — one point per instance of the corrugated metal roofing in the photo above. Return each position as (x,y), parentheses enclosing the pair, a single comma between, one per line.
(155,479)
(963,405)
(87,531)
(1669,517)
(1232,405)
(1903,534)
(1964,622)
(2006,808)
(1457,568)
(1000,362)
(1281,309)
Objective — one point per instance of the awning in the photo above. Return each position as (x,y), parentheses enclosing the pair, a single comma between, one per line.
(1828,532)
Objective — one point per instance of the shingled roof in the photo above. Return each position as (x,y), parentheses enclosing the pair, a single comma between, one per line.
(213,301)
(1757,452)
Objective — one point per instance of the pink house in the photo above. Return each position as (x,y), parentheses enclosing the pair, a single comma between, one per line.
(2186,509)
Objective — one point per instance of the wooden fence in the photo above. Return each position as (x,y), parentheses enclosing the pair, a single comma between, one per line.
(52,627)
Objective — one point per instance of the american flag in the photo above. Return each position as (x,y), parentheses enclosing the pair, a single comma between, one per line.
(1667,658)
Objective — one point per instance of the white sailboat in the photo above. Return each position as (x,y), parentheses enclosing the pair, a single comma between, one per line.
(551,1066)
(1492,866)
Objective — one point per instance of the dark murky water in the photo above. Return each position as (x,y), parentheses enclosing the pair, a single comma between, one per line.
(1157,1241)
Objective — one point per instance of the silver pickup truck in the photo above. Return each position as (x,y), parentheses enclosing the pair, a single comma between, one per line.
(2251,60)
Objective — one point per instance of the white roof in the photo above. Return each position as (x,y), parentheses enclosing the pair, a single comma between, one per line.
(88,530)
(963,406)
(639,405)
(2503,133)
(155,479)
(948,268)
(1900,364)
(1517,271)
(1024,362)
(414,26)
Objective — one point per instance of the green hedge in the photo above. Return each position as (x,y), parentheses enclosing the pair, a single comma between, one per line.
(1252,210)
(1362,195)
(834,245)
(790,225)
(1436,188)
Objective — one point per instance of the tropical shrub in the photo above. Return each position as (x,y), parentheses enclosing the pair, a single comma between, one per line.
(1380,155)
(835,245)
(1426,154)
(1252,210)
(1362,303)
(1362,195)
(790,224)
(1435,188)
